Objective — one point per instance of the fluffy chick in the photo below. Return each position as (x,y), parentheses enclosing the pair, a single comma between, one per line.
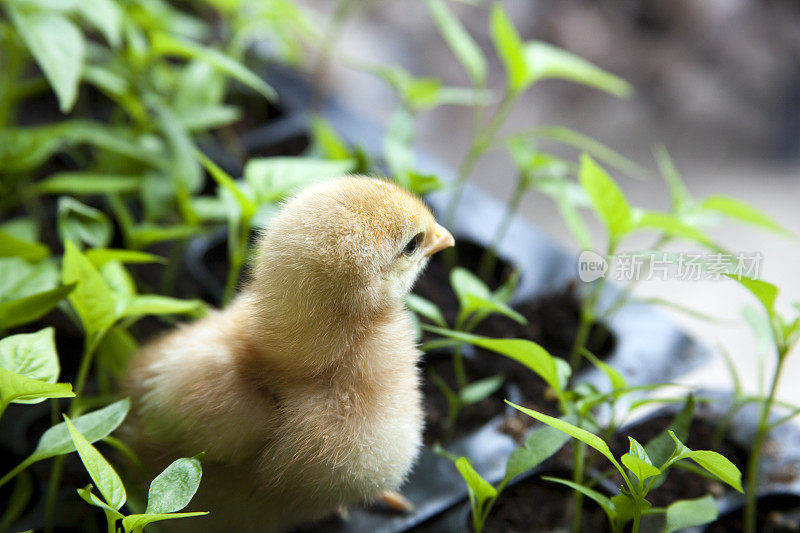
(304,392)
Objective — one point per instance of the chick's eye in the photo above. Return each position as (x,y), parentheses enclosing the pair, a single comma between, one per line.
(413,244)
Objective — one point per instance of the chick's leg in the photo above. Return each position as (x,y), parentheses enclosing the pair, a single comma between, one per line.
(395,501)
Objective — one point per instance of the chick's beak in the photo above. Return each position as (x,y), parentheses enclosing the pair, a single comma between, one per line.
(440,240)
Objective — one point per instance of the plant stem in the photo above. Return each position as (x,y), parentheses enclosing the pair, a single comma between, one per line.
(52,492)
(755,450)
(480,143)
(83,372)
(580,340)
(637,519)
(58,462)
(13,473)
(489,257)
(458,368)
(588,314)
(579,460)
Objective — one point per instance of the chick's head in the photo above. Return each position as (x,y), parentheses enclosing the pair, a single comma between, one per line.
(350,241)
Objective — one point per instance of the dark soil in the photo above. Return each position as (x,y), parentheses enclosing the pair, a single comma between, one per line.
(776,514)
(471,417)
(680,483)
(537,505)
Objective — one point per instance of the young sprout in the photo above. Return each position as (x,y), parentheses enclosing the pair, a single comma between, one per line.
(640,476)
(170,491)
(476,303)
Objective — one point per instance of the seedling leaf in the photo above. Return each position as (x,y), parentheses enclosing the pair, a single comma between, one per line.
(546,61)
(743,212)
(603,501)
(541,444)
(607,198)
(523,351)
(13,247)
(58,47)
(103,474)
(510,49)
(460,42)
(174,488)
(478,488)
(573,431)
(91,298)
(426,308)
(689,513)
(713,462)
(480,389)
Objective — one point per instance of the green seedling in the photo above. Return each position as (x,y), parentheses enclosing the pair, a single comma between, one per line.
(640,474)
(170,491)
(476,303)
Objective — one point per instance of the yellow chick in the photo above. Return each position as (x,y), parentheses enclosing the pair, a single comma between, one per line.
(304,392)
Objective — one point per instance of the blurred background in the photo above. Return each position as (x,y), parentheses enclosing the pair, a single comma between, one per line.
(717,82)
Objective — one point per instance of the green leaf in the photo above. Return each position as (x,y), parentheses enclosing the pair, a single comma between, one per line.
(618,381)
(203,118)
(105,16)
(328,140)
(19,389)
(608,200)
(545,61)
(135,521)
(146,234)
(638,462)
(78,222)
(100,256)
(174,488)
(426,308)
(222,178)
(660,447)
(102,473)
(523,351)
(116,349)
(155,304)
(274,178)
(29,308)
(93,426)
(763,290)
(713,462)
(626,506)
(510,49)
(163,43)
(671,226)
(22,228)
(743,212)
(690,513)
(87,496)
(480,390)
(187,175)
(478,488)
(86,183)
(540,445)
(586,144)
(32,355)
(91,298)
(677,189)
(602,500)
(575,432)
(474,296)
(13,247)
(58,47)
(460,42)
